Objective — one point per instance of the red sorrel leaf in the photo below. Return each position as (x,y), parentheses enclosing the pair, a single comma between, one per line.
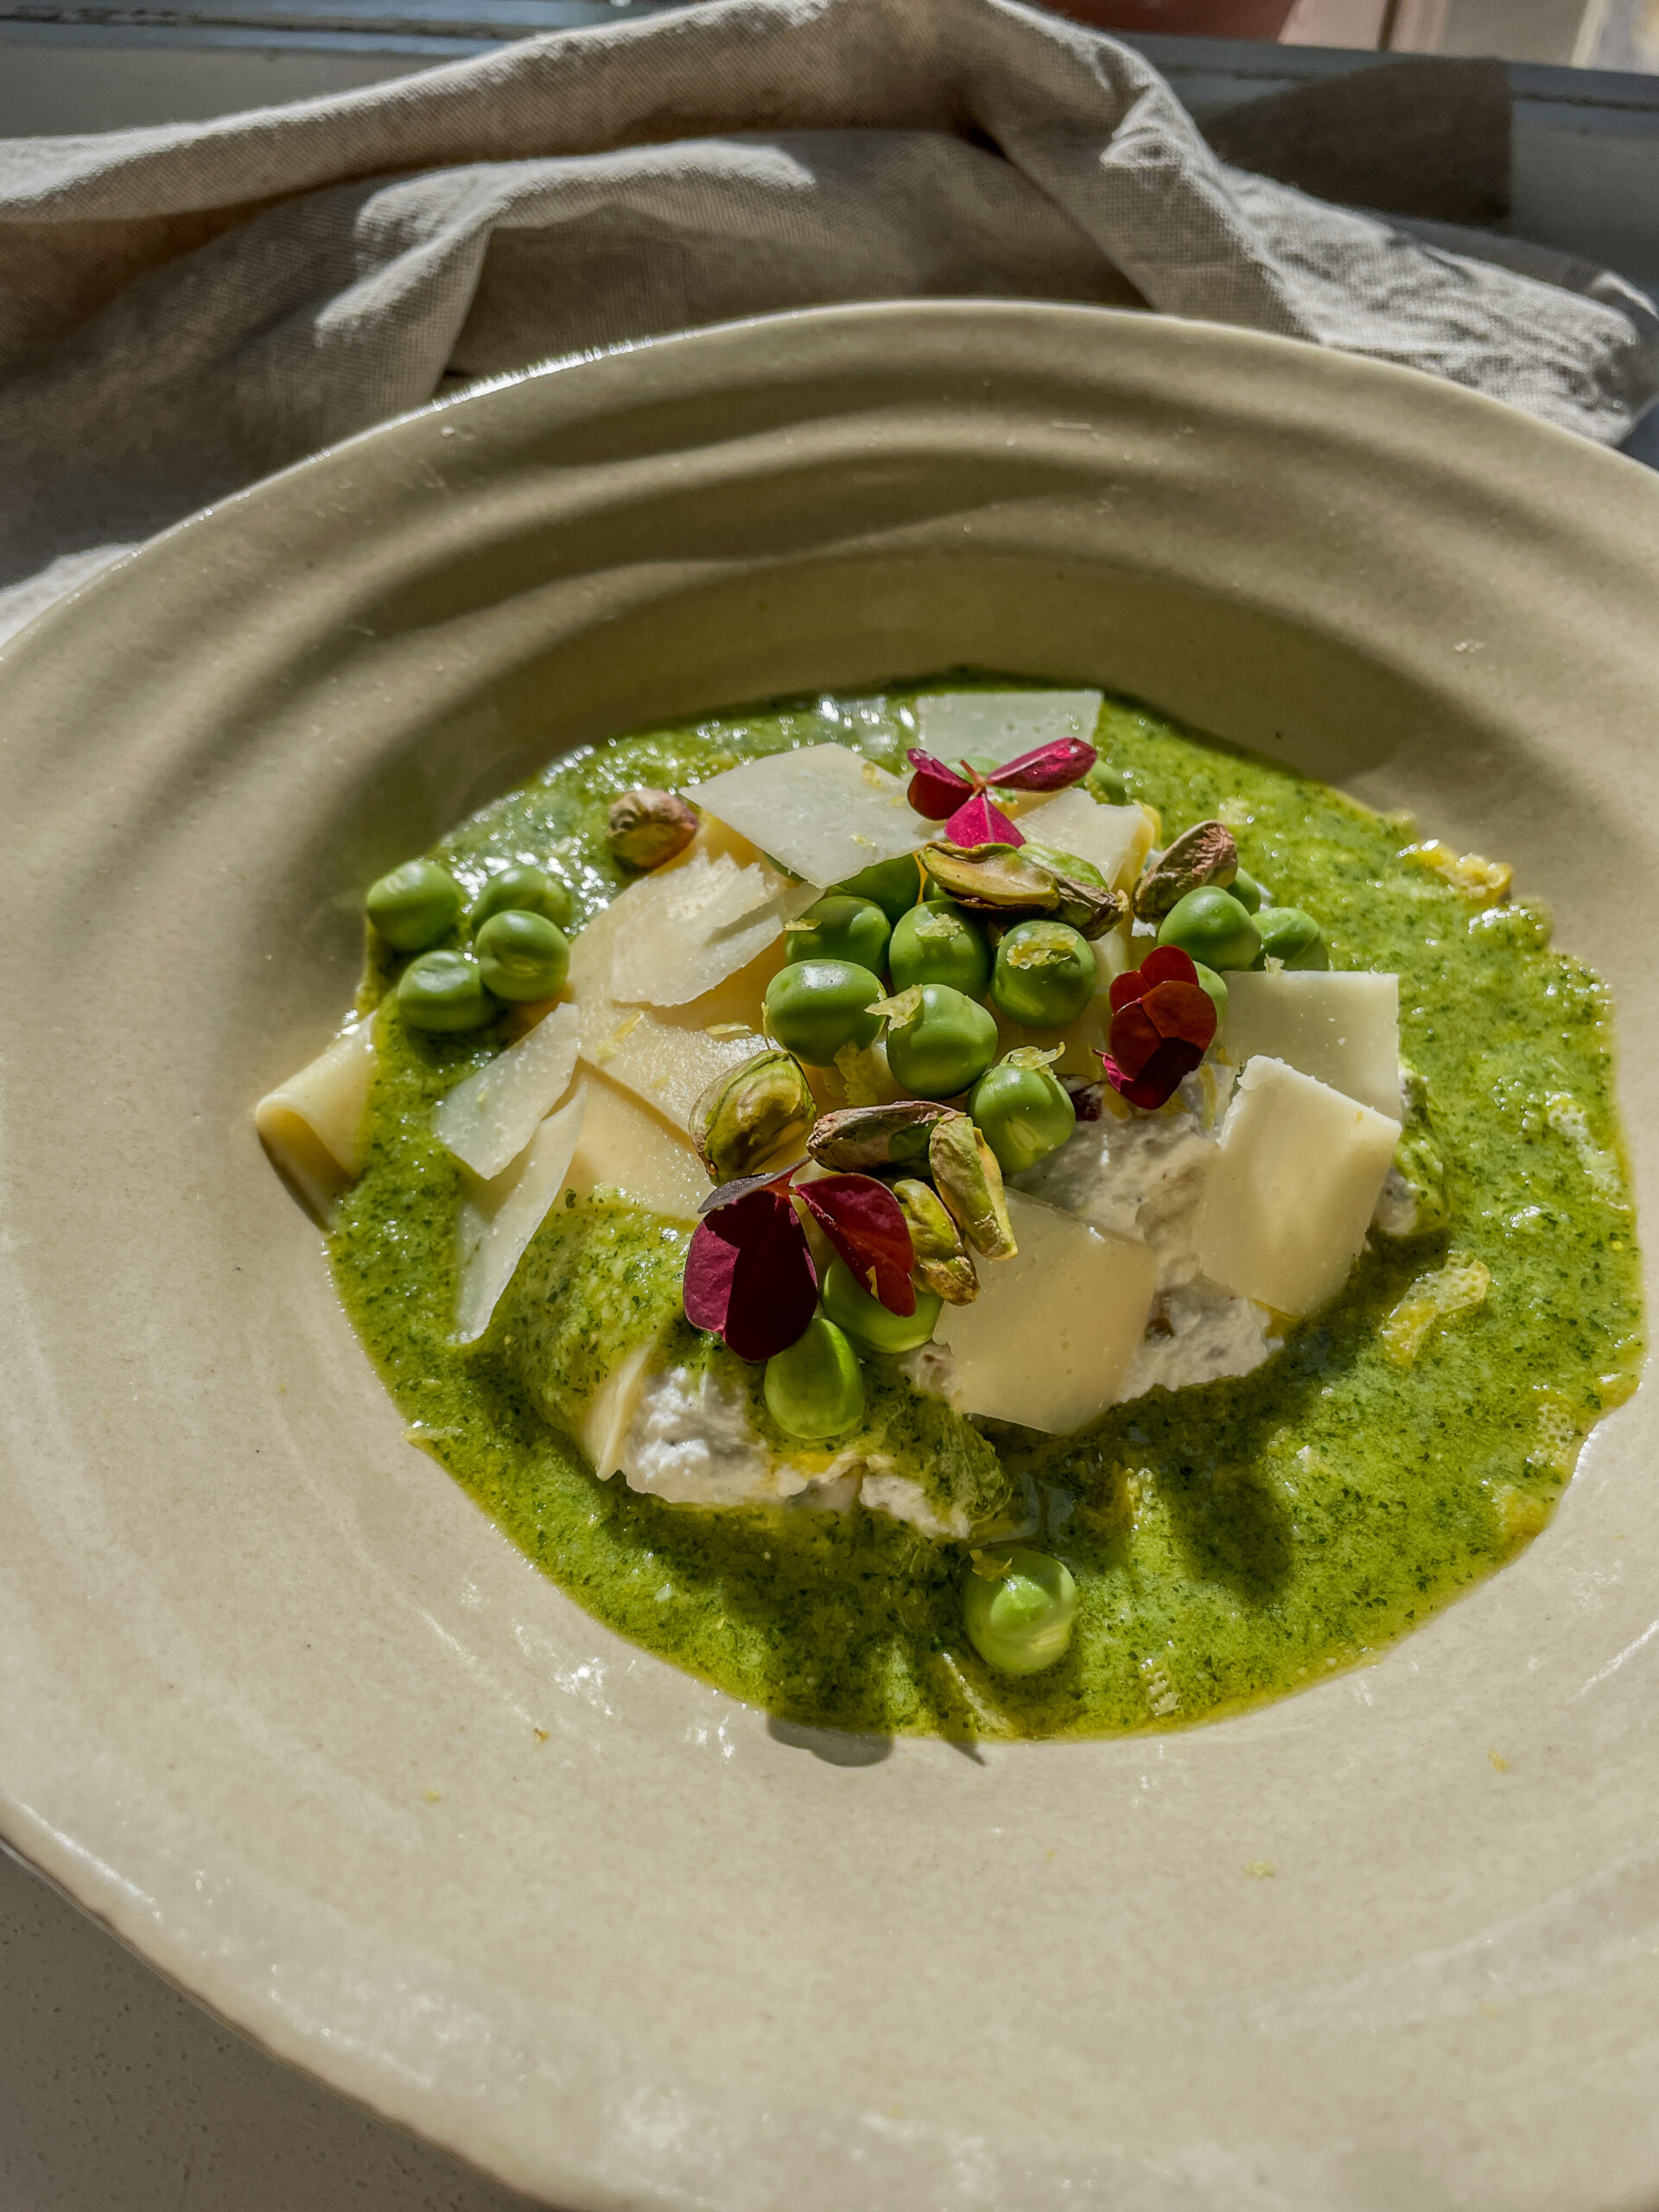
(749,1276)
(1050,768)
(728,1193)
(1169,1007)
(1160,1079)
(1135,1038)
(862,1220)
(1183,1010)
(935,791)
(1165,963)
(978,823)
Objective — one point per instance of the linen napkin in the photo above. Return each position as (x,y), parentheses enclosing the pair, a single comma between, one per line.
(185,309)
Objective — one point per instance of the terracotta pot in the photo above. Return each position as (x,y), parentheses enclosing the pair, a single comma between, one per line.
(1207,18)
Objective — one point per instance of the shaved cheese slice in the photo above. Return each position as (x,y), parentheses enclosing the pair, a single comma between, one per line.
(1000,726)
(312,1126)
(665,1064)
(1296,1178)
(1116,839)
(679,933)
(1050,1338)
(667,1058)
(1343,1030)
(823,812)
(630,1149)
(609,1413)
(497,1220)
(488,1120)
(714,838)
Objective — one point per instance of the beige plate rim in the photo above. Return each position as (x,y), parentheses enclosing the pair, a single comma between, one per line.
(290,1719)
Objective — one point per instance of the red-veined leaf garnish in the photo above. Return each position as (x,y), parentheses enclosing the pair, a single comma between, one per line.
(1050,768)
(1165,963)
(936,790)
(1163,1023)
(749,1276)
(976,822)
(1159,1080)
(861,1219)
(728,1193)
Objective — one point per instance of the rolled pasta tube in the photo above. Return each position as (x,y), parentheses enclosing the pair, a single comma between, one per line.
(312,1126)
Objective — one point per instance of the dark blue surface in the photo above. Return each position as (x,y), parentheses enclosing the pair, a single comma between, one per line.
(1643,443)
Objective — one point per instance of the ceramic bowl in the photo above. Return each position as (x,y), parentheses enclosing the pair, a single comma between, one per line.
(284,1708)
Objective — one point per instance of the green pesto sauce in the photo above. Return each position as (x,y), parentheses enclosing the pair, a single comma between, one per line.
(1229,1541)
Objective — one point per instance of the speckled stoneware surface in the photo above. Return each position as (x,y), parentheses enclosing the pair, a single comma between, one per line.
(283,1707)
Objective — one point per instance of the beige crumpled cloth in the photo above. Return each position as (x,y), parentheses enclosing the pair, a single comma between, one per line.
(185,309)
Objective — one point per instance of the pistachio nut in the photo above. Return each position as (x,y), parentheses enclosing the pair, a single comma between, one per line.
(944,1264)
(753,1117)
(646,828)
(1090,910)
(858,1138)
(1019,881)
(1204,853)
(970,1182)
(991,878)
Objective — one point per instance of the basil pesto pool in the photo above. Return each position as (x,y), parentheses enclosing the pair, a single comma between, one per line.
(1117,1298)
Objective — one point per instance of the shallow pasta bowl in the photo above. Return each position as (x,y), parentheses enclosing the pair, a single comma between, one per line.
(285,1709)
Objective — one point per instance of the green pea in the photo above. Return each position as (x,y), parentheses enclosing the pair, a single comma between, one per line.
(415,905)
(1019,1622)
(1024,1114)
(895,886)
(523,891)
(939,941)
(1211,927)
(867,1321)
(945,1045)
(1045,973)
(1106,785)
(841,927)
(1210,982)
(1289,935)
(1248,892)
(815,1389)
(443,990)
(523,955)
(815,1007)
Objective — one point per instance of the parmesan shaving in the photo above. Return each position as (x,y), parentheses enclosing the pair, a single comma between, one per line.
(668,1058)
(499,1218)
(679,933)
(1298,1173)
(824,813)
(1050,1338)
(488,1120)
(609,1413)
(627,1148)
(1342,1029)
(1116,839)
(1000,726)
